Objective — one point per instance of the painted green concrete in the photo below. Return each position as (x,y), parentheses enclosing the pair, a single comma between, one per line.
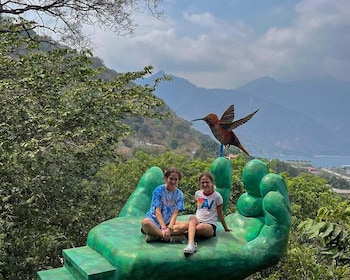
(80,263)
(222,171)
(259,236)
(60,273)
(258,239)
(88,263)
(141,197)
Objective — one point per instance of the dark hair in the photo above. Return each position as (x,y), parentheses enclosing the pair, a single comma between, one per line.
(208,175)
(172,170)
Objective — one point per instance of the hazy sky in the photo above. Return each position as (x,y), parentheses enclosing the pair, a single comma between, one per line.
(226,43)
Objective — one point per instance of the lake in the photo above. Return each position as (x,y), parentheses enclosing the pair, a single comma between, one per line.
(326,161)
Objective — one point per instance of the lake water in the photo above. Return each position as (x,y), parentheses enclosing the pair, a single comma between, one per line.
(316,161)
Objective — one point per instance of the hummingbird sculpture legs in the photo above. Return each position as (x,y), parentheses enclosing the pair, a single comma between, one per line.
(221,150)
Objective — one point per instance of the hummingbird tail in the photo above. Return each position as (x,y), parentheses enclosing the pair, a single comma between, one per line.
(243,149)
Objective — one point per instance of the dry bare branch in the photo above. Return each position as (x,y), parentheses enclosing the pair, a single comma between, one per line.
(64,19)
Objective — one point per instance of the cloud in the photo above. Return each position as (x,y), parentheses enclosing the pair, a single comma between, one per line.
(212,49)
(204,19)
(314,46)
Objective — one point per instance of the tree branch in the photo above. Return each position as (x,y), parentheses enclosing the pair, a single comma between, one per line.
(69,16)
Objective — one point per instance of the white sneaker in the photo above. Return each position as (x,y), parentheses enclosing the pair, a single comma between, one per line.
(190,249)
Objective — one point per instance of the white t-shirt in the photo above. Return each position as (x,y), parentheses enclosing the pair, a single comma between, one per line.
(206,207)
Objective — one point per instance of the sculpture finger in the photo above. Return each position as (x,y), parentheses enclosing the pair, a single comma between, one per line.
(140,200)
(222,171)
(252,174)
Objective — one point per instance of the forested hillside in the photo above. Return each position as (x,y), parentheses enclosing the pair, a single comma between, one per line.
(160,135)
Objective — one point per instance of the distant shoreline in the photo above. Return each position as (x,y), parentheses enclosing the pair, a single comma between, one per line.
(326,161)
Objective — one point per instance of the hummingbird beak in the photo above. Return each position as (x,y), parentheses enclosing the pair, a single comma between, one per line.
(197,120)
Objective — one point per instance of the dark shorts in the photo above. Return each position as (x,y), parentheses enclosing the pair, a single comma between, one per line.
(214,228)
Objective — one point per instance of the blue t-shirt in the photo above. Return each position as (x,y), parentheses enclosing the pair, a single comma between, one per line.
(167,201)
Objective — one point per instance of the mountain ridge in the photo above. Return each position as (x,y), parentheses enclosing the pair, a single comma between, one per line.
(300,117)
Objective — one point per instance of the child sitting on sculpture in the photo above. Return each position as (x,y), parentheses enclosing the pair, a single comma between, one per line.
(209,210)
(167,201)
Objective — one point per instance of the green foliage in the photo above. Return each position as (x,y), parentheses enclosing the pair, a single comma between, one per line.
(58,123)
(157,136)
(123,177)
(115,181)
(308,193)
(301,262)
(331,228)
(278,166)
(207,149)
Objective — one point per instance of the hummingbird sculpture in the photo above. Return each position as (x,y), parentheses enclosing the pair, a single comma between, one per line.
(222,128)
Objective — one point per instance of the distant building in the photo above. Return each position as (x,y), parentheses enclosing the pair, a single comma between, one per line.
(345,168)
(231,156)
(312,169)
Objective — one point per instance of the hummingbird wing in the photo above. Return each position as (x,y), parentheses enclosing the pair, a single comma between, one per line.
(228,116)
(239,122)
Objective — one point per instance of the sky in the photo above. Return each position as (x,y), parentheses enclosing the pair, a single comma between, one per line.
(228,43)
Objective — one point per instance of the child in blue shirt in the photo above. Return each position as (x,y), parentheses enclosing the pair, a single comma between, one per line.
(167,201)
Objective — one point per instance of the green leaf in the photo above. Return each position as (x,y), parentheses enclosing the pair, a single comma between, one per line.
(327,230)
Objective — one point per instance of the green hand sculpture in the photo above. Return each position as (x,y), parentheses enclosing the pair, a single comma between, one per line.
(259,236)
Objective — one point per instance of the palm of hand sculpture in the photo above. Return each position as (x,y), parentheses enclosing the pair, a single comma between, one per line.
(222,128)
(258,239)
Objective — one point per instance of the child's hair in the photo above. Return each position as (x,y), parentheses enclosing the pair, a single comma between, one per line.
(208,175)
(172,170)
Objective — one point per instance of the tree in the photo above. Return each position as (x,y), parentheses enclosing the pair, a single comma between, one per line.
(58,123)
(66,18)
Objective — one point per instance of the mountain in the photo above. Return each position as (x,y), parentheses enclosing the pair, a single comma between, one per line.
(295,118)
(325,100)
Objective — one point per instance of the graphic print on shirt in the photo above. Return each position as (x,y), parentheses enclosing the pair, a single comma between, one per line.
(204,203)
(169,199)
(167,202)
